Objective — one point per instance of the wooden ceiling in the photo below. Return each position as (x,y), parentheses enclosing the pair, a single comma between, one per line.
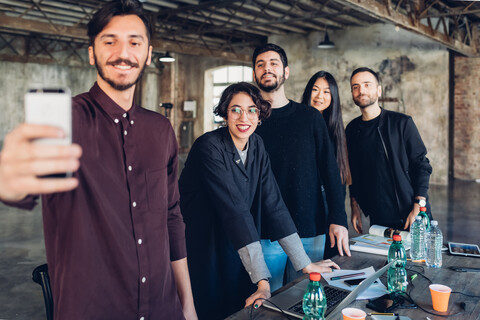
(32,30)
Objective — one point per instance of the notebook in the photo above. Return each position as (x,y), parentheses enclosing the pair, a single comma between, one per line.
(290,300)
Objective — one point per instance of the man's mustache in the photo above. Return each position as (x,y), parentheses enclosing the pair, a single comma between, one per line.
(268,73)
(124,61)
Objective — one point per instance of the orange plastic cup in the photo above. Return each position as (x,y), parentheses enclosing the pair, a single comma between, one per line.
(440,296)
(353,314)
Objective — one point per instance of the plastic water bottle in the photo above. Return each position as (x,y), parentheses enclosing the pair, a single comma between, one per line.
(397,251)
(434,246)
(397,279)
(397,275)
(314,300)
(425,219)
(417,231)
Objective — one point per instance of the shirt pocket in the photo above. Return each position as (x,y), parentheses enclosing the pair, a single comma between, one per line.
(157,189)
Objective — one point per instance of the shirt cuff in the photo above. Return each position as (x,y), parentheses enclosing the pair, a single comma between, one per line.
(293,247)
(254,262)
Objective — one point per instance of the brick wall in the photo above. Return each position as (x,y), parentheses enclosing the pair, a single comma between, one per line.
(466,141)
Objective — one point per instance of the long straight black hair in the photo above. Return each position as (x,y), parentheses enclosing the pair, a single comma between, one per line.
(333,119)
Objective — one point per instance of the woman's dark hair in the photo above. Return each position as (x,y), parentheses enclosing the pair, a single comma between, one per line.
(334,121)
(117,8)
(263,105)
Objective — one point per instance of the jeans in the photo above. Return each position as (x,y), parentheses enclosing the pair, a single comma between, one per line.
(280,267)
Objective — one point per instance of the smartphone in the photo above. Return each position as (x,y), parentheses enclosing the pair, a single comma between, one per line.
(51,106)
(353,282)
(464,249)
(383,304)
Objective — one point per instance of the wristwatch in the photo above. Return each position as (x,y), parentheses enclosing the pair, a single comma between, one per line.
(421,202)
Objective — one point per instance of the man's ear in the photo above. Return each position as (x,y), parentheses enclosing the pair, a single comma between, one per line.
(287,72)
(379,90)
(91,56)
(149,58)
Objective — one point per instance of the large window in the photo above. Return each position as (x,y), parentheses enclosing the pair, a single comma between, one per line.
(225,76)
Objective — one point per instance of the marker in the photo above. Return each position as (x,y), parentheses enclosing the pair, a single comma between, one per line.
(348,276)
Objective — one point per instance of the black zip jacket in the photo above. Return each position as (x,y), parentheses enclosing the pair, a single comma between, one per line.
(406,157)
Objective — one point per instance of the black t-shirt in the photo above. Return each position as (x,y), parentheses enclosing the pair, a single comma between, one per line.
(377,195)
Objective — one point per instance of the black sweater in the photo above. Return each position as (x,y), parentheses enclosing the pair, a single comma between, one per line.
(302,158)
(406,156)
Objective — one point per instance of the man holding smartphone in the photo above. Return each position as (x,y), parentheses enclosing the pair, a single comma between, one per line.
(114,235)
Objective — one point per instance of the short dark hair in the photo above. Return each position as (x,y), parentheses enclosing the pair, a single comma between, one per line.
(270,47)
(365,69)
(117,8)
(264,106)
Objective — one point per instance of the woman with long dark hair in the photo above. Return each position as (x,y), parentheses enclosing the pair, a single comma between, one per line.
(230,201)
(321,93)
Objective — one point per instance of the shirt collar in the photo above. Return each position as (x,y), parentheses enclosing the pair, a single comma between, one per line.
(113,110)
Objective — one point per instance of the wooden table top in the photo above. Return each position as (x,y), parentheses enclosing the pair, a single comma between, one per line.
(465,282)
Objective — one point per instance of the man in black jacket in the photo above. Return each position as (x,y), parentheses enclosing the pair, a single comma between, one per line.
(390,170)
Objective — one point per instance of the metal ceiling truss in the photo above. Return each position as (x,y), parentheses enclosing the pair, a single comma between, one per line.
(230,29)
(455,28)
(41,49)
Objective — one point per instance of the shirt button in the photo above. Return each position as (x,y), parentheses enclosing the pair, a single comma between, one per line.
(116,120)
(144,279)
(125,115)
(139,241)
(134,204)
(129,168)
(125,132)
(131,122)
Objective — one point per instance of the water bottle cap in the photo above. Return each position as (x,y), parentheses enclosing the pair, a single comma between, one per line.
(397,237)
(315,276)
(434,223)
(424,209)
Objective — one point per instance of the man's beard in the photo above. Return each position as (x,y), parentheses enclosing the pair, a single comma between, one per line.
(273,86)
(112,83)
(364,105)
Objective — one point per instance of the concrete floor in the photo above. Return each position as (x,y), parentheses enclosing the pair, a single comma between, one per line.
(457,208)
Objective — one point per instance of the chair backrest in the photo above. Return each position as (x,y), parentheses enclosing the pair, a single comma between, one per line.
(40,276)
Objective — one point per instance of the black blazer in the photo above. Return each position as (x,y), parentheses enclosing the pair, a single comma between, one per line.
(226,206)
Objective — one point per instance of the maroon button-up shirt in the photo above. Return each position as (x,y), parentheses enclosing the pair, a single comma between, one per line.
(110,242)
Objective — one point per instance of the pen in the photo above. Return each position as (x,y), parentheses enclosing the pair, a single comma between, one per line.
(348,276)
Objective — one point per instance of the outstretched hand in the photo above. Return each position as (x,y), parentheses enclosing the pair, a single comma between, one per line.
(22,161)
(263,292)
(321,266)
(340,233)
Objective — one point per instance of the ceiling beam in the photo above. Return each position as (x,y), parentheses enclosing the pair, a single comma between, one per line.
(19,24)
(411,23)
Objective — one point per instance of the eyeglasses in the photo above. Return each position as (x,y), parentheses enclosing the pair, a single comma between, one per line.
(236,113)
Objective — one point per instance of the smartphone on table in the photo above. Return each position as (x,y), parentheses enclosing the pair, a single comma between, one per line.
(51,106)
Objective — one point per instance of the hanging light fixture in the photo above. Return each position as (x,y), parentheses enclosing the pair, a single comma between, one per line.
(167,57)
(326,43)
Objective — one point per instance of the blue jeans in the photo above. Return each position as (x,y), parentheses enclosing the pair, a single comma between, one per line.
(279,265)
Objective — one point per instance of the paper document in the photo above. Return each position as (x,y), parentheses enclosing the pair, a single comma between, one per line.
(377,289)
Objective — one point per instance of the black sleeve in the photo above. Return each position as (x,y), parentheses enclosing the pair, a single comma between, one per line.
(330,174)
(419,165)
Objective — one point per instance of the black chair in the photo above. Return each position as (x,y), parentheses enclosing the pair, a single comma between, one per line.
(40,276)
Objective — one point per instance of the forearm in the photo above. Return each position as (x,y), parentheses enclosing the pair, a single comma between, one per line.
(254,262)
(182,280)
(293,247)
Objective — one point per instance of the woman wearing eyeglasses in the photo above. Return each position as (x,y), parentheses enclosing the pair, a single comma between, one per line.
(230,201)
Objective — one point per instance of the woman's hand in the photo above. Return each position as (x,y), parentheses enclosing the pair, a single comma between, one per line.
(321,266)
(263,292)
